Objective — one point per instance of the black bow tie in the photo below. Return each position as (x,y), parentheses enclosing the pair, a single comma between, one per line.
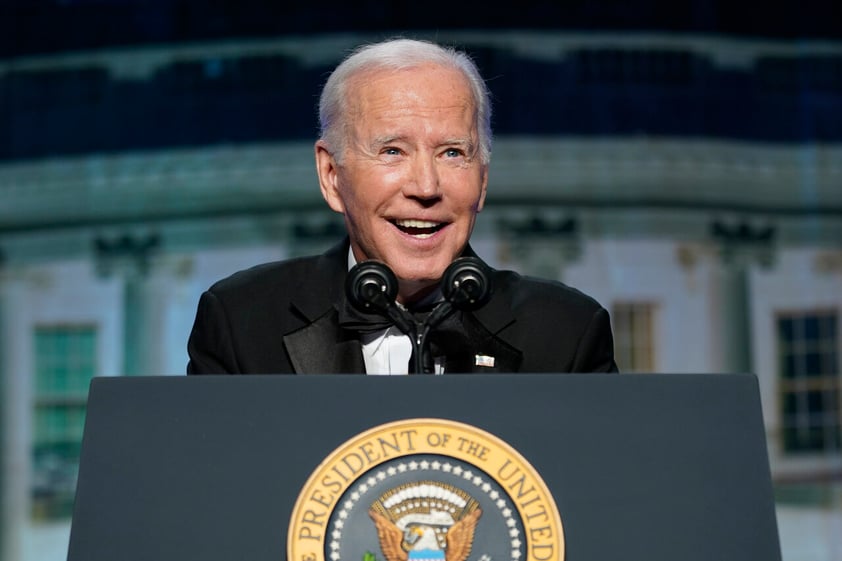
(371,321)
(459,337)
(361,321)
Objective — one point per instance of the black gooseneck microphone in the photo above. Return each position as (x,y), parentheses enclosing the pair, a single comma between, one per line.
(372,286)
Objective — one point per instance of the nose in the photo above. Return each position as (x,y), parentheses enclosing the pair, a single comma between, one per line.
(424,182)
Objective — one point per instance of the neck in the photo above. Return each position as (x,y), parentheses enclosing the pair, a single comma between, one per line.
(412,293)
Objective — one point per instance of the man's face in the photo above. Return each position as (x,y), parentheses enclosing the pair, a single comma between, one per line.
(409,182)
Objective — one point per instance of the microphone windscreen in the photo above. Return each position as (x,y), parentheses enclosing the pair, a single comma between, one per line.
(371,284)
(467,284)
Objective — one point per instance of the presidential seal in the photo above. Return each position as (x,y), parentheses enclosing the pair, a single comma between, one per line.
(425,490)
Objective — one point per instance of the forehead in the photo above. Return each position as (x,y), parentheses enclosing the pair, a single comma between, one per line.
(417,91)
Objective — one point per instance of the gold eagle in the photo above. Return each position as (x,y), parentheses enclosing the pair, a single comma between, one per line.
(460,537)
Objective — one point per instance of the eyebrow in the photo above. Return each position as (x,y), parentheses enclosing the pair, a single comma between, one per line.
(383,140)
(467,143)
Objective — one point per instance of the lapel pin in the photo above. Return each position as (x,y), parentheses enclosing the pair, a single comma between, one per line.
(484,360)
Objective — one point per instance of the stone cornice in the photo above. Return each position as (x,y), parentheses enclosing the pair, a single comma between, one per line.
(279,178)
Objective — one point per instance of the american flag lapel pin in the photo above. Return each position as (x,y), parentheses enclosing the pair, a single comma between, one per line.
(484,360)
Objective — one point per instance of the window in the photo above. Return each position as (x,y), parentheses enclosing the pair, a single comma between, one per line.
(808,359)
(65,362)
(634,343)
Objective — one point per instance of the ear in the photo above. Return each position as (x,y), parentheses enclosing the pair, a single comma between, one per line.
(328,173)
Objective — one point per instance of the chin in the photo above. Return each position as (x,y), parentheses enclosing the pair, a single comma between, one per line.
(413,281)
(427,270)
(420,267)
(419,280)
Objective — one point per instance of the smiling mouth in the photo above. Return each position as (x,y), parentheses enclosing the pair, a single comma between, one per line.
(419,228)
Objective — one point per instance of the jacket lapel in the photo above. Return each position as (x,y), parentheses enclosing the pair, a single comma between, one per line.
(322,348)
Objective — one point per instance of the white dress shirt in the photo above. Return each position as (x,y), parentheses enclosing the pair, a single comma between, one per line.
(387,352)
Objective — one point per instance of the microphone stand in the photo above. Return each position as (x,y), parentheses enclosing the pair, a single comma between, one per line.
(424,363)
(466,285)
(417,331)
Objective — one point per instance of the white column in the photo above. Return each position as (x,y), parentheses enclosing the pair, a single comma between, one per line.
(732,331)
(14,422)
(137,302)
(741,247)
(130,257)
(154,333)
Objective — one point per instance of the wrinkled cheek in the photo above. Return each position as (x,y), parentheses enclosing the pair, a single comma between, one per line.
(351,223)
(364,227)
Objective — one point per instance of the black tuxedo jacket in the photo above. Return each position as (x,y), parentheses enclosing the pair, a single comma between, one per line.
(282,318)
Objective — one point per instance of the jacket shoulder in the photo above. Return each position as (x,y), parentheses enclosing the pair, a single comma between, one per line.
(263,277)
(298,273)
(527,293)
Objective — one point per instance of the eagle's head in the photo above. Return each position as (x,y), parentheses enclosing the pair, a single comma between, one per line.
(421,536)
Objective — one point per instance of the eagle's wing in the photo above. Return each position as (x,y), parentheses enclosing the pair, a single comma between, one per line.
(390,537)
(460,537)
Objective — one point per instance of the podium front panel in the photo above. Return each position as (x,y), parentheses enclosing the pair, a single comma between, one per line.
(642,467)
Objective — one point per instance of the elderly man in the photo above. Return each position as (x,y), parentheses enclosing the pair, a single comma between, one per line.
(404,156)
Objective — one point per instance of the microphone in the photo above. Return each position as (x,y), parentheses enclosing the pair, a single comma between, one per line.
(466,285)
(371,285)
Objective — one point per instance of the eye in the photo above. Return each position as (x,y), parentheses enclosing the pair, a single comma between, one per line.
(391,151)
(453,153)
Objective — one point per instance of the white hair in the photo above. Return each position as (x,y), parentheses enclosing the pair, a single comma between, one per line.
(399,54)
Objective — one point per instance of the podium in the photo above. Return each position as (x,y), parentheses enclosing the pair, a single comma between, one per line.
(631,467)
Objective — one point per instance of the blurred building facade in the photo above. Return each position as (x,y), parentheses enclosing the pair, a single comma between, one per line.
(692,184)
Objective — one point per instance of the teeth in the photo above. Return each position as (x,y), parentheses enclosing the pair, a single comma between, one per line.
(416,224)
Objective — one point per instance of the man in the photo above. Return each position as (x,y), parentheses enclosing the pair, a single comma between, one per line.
(403,155)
